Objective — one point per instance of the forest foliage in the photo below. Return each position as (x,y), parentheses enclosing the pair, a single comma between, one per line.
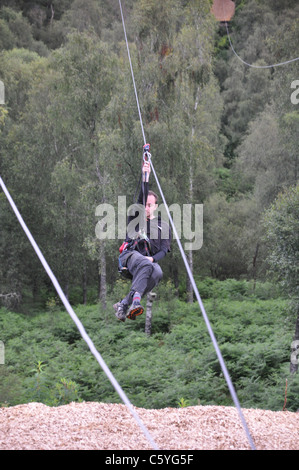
(222,134)
(48,361)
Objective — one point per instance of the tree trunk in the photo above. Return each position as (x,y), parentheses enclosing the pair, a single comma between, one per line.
(190,293)
(295,348)
(148,320)
(67,289)
(35,287)
(84,282)
(66,251)
(190,253)
(254,265)
(102,274)
(52,15)
(190,296)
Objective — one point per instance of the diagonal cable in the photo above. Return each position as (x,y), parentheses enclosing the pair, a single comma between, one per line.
(76,320)
(252,65)
(206,319)
(132,72)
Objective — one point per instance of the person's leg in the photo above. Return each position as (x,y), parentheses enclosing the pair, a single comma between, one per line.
(155,278)
(122,306)
(141,269)
(145,277)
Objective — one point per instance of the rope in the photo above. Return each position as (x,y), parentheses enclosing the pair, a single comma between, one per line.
(132,72)
(206,319)
(76,320)
(256,66)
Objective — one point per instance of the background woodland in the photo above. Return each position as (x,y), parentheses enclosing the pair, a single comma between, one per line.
(222,134)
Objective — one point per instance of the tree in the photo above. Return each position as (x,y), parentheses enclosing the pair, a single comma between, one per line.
(262,33)
(89,71)
(282,228)
(22,71)
(55,155)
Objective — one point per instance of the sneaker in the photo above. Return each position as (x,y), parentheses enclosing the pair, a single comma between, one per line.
(135,310)
(120,310)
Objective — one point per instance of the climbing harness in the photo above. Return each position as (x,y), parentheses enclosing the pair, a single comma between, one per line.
(128,247)
(123,270)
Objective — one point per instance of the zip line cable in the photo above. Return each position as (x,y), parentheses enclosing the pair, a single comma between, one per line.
(206,319)
(76,320)
(256,66)
(132,72)
(207,322)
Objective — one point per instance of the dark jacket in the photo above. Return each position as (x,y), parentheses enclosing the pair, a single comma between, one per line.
(157,231)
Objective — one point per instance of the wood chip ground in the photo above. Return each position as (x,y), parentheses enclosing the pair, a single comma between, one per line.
(102,426)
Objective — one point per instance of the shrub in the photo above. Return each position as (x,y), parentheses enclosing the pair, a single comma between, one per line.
(177,360)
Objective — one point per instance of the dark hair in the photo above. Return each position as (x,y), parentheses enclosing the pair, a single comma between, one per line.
(151,193)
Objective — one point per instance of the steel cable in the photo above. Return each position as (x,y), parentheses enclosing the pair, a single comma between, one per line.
(252,65)
(76,320)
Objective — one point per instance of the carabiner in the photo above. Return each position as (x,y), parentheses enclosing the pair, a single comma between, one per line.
(146,154)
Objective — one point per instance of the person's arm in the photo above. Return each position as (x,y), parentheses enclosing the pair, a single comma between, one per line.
(164,245)
(146,169)
(142,198)
(158,256)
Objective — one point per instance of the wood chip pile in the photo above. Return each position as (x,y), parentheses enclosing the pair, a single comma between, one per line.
(102,426)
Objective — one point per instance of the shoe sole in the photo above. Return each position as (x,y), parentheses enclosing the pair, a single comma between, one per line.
(115,306)
(120,319)
(135,312)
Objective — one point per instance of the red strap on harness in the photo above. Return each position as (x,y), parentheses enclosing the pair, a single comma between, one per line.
(123,247)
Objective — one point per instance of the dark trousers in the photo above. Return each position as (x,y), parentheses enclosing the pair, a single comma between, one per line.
(146,275)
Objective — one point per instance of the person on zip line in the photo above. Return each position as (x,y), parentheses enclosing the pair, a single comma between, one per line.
(143,248)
